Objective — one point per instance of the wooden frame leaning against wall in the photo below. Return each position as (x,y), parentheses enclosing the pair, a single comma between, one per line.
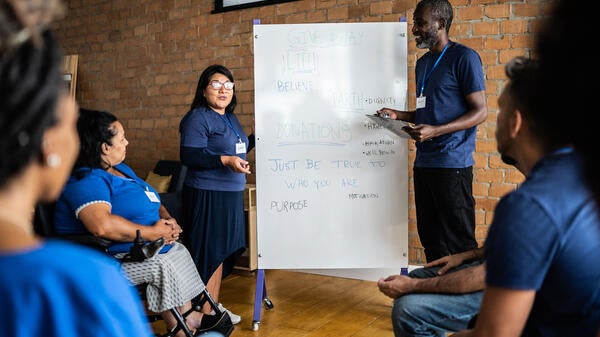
(230,5)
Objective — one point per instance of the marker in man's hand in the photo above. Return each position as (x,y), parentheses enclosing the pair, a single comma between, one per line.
(383,114)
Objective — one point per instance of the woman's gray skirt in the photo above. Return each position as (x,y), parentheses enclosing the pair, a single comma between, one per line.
(172,278)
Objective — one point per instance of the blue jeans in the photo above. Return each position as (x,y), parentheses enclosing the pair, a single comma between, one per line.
(430,314)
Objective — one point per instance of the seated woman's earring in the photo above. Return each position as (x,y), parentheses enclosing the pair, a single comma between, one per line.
(53,160)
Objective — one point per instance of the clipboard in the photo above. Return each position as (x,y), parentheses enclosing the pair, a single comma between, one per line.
(394,125)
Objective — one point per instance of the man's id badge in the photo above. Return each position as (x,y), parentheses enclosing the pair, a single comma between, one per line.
(421,102)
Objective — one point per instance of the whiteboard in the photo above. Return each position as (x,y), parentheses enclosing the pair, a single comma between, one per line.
(331,185)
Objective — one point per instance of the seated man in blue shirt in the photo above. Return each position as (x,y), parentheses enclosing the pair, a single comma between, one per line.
(536,283)
(538,237)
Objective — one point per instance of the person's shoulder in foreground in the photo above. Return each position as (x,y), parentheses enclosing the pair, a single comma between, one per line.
(540,235)
(75,292)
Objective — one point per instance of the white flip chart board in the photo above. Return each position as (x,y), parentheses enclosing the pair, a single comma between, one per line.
(331,184)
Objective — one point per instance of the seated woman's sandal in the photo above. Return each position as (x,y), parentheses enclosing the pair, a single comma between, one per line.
(218,322)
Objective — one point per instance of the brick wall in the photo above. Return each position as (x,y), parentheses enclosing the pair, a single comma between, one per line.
(141,60)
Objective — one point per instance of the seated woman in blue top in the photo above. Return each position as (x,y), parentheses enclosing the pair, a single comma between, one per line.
(106,198)
(48,287)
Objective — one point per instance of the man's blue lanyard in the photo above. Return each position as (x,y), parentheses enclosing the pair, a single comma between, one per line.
(427,74)
(231,126)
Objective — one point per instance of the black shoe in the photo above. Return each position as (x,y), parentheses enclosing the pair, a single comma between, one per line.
(219,322)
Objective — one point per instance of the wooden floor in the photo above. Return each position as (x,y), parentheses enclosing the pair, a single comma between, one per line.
(308,305)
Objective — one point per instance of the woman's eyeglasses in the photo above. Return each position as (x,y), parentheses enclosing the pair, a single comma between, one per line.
(218,85)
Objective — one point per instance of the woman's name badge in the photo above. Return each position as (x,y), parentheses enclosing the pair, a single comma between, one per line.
(152,196)
(421,102)
(240,148)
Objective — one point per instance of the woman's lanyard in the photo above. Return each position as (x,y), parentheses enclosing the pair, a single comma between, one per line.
(240,147)
(144,185)
(427,74)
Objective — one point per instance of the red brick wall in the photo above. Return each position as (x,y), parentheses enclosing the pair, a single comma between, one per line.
(141,60)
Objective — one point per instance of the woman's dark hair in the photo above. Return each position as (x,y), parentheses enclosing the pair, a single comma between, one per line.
(199,99)
(94,128)
(30,86)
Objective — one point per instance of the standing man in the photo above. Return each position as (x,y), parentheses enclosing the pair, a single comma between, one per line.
(450,104)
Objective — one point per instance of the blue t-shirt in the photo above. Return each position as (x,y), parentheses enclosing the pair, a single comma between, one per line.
(128,197)
(545,236)
(205,128)
(62,290)
(458,74)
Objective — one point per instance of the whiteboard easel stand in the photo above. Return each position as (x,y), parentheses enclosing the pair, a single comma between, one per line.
(260,292)
(260,296)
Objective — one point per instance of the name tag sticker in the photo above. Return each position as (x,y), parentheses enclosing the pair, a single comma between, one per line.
(152,196)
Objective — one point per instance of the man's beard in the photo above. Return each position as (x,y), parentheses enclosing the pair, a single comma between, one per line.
(508,159)
(503,146)
(428,39)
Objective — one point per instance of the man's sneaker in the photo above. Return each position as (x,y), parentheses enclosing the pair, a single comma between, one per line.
(235,319)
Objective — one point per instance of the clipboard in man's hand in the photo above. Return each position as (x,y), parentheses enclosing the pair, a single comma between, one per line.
(398,127)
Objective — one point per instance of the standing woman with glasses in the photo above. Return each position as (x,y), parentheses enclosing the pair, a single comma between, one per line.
(214,147)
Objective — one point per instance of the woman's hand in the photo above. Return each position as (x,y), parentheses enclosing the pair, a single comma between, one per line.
(168,229)
(175,227)
(236,163)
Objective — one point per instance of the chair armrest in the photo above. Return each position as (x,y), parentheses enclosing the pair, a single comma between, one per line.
(89,240)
